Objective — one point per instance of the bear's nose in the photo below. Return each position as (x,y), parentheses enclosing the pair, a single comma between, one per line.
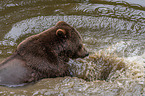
(87,54)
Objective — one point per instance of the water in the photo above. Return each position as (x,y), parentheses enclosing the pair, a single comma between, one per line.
(113,32)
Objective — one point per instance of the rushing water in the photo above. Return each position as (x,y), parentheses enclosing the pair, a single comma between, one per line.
(113,32)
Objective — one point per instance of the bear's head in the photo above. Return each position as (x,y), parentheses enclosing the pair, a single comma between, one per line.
(72,40)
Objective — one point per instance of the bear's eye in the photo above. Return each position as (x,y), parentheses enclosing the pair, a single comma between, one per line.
(80,46)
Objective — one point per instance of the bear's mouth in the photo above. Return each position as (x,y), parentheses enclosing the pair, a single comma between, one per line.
(77,56)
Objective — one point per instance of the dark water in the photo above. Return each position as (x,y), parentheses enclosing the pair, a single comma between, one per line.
(113,31)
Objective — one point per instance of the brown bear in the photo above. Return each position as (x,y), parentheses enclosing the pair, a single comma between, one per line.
(43,56)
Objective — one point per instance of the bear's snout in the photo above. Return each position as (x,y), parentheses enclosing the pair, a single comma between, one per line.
(85,54)
(81,53)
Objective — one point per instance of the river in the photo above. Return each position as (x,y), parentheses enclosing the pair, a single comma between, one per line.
(113,32)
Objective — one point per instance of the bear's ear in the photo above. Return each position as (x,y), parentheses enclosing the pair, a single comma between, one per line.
(60,23)
(61,33)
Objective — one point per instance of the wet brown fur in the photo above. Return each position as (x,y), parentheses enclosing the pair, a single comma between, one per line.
(43,55)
